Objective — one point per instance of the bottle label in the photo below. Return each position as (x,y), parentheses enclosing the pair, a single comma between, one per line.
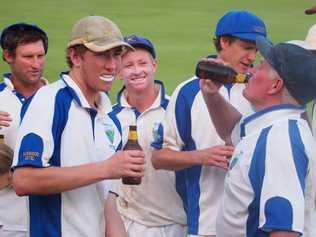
(132,135)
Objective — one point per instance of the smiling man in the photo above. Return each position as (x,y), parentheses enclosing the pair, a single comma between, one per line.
(201,160)
(143,102)
(63,154)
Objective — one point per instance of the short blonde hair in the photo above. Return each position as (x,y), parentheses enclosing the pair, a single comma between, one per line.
(6,157)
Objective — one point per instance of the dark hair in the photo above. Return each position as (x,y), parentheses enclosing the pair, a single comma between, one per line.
(80,49)
(6,156)
(22,33)
(217,41)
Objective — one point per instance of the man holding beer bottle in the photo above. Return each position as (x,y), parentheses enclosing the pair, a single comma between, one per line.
(190,144)
(62,153)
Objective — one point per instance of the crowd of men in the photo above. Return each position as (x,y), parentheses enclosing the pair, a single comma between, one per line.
(225,160)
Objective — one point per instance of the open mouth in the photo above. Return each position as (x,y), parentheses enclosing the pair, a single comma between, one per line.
(107,78)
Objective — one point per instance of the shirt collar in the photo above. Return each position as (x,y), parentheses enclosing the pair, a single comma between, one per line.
(161,99)
(7,81)
(268,116)
(103,103)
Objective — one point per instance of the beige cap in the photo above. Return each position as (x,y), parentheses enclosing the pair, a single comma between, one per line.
(311,37)
(97,34)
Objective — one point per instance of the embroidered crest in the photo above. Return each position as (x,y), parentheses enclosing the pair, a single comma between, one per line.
(109,132)
(155,132)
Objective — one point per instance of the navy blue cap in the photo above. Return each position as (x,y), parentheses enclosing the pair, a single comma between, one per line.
(241,24)
(295,65)
(141,42)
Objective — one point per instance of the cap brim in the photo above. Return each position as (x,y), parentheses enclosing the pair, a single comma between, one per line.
(301,43)
(247,36)
(265,48)
(100,48)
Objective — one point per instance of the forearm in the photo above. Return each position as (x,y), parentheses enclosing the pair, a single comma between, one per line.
(283,234)
(29,180)
(173,160)
(114,223)
(224,116)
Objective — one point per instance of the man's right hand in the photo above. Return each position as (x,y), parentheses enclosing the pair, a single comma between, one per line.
(5,119)
(218,156)
(129,163)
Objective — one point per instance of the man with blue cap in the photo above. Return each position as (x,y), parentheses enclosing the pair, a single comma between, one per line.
(190,144)
(270,186)
(142,102)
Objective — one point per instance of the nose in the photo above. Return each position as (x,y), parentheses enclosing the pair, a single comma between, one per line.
(38,62)
(252,55)
(111,63)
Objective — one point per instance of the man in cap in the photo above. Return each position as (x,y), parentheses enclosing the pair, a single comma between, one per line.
(201,160)
(24,47)
(62,153)
(143,101)
(270,186)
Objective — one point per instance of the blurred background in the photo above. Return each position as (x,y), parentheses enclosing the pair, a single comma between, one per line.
(181,30)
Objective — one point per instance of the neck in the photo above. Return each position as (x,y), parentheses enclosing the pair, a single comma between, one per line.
(90,95)
(144,99)
(26,89)
(5,180)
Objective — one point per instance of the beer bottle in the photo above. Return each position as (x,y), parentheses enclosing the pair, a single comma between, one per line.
(1,139)
(132,144)
(220,73)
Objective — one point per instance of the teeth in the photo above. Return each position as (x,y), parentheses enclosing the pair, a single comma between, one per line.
(106,78)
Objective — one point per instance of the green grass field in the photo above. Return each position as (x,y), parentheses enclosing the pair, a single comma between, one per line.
(181,30)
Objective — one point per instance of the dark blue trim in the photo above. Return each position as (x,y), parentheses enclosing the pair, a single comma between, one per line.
(279,215)
(45,216)
(113,115)
(188,181)
(25,106)
(256,175)
(71,90)
(2,86)
(93,113)
(228,87)
(298,151)
(31,151)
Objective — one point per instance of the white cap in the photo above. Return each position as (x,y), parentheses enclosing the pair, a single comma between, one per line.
(300,43)
(311,37)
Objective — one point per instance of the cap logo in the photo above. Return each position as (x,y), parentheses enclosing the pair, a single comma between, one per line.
(259,29)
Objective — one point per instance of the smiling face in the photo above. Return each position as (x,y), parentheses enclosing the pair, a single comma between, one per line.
(94,71)
(27,63)
(240,54)
(138,69)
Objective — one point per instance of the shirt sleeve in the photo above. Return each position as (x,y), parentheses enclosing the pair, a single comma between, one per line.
(35,142)
(282,201)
